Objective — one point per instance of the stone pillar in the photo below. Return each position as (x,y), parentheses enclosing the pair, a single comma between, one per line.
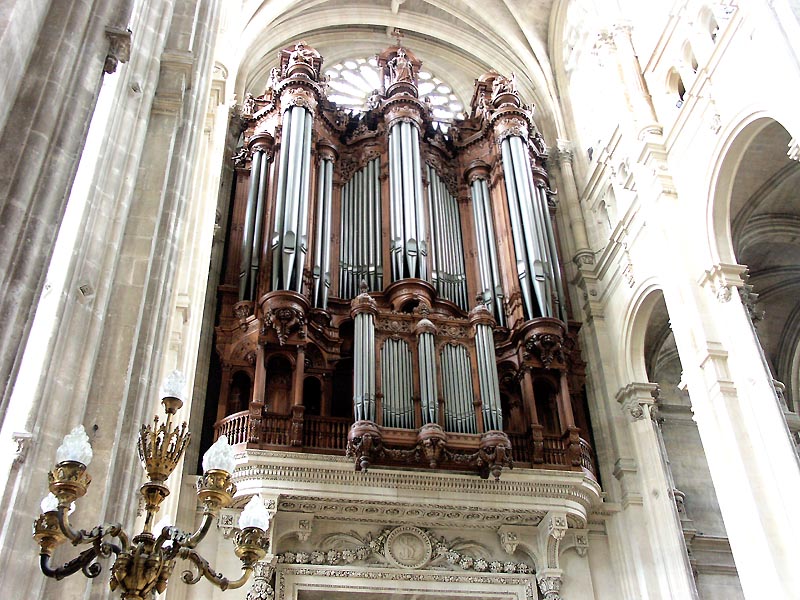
(752,460)
(564,155)
(634,86)
(49,90)
(671,567)
(111,343)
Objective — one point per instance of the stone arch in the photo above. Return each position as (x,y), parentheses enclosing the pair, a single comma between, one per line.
(754,221)
(637,319)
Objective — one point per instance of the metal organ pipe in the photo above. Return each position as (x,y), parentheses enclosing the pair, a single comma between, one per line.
(427,377)
(408,232)
(289,237)
(488,378)
(360,248)
(487,249)
(458,393)
(398,406)
(322,247)
(532,231)
(250,225)
(364,367)
(551,238)
(449,273)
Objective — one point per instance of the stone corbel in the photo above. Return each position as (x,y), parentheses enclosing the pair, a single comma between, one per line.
(551,531)
(301,525)
(577,539)
(119,48)
(24,441)
(637,399)
(722,278)
(508,539)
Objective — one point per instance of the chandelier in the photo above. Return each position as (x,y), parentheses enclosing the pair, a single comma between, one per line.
(144,563)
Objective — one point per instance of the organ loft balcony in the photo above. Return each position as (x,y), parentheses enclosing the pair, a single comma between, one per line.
(391,289)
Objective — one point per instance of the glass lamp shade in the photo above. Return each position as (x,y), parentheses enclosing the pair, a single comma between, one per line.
(50,503)
(174,385)
(255,514)
(219,456)
(75,447)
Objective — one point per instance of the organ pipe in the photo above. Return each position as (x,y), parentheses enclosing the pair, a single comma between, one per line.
(457,392)
(491,288)
(322,247)
(289,236)
(429,397)
(407,226)
(529,232)
(364,367)
(398,402)
(255,198)
(487,376)
(447,257)
(360,246)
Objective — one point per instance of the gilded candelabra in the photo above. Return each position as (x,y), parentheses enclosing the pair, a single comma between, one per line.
(144,564)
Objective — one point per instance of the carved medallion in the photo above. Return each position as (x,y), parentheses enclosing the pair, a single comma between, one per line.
(408,547)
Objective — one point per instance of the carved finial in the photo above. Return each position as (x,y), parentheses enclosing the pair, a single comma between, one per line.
(363,288)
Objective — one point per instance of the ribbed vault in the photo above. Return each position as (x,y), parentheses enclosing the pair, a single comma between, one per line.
(458,40)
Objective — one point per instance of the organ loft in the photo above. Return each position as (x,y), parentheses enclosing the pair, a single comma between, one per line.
(391,287)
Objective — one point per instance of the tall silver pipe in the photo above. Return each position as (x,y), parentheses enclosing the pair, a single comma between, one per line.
(316,271)
(289,236)
(280,199)
(468,391)
(427,375)
(487,375)
(302,213)
(481,241)
(530,224)
(419,203)
(378,224)
(409,202)
(523,269)
(326,236)
(293,187)
(369,230)
(249,223)
(397,242)
(493,262)
(258,226)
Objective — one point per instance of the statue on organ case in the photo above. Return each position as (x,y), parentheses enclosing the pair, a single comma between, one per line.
(400,67)
(301,54)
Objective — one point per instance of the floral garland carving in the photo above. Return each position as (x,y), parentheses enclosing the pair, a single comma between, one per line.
(444,553)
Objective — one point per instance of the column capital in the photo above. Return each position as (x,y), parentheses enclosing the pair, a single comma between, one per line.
(637,399)
(563,152)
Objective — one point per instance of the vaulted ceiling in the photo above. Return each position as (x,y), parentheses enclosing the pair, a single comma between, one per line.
(457,39)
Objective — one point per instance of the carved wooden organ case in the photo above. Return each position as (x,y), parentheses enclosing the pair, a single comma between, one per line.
(392,289)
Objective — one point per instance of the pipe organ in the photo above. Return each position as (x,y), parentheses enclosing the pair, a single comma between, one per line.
(398,295)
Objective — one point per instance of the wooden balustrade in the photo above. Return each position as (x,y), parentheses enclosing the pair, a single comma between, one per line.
(234,426)
(329,435)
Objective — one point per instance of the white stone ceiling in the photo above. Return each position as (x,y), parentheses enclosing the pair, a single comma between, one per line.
(457,39)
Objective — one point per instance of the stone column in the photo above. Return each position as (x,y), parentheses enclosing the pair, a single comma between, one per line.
(673,575)
(634,86)
(564,155)
(751,457)
(49,90)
